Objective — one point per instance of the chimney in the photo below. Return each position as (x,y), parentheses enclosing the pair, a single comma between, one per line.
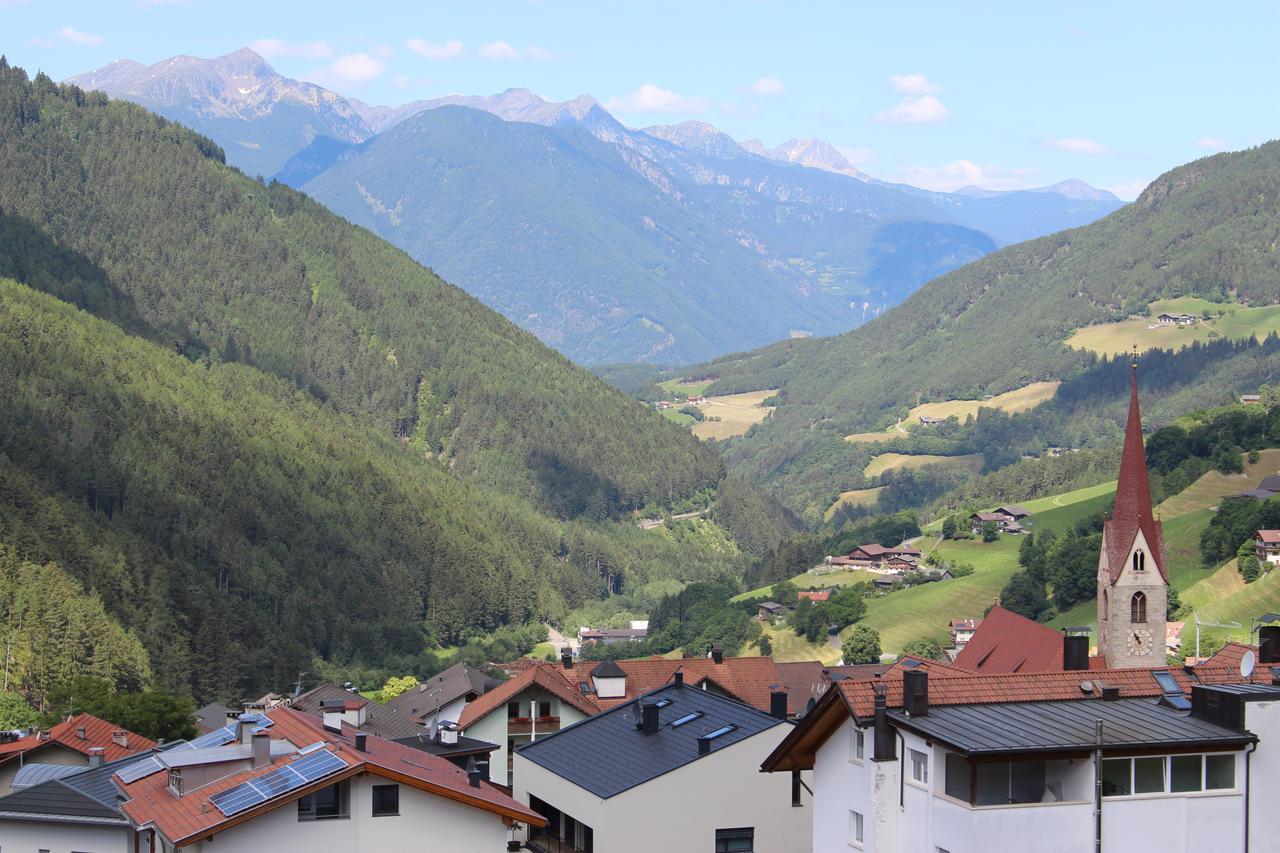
(1075,652)
(80,733)
(566,657)
(885,748)
(448,734)
(120,738)
(473,773)
(261,750)
(704,746)
(362,741)
(778,703)
(1110,693)
(1269,644)
(717,653)
(915,692)
(649,715)
(95,756)
(679,676)
(243,730)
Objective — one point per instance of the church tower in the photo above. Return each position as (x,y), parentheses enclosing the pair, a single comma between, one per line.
(1133,585)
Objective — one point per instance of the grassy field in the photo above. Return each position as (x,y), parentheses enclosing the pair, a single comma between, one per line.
(886,461)
(810,580)
(855,497)
(787,646)
(926,611)
(1017,400)
(677,416)
(1053,502)
(1212,487)
(737,414)
(1237,323)
(689,389)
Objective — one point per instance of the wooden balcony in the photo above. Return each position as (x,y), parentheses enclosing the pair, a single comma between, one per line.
(524,725)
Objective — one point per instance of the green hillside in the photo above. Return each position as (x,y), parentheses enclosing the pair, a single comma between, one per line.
(1207,228)
(139,221)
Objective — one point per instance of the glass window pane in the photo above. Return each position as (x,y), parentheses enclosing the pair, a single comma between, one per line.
(1184,773)
(1115,777)
(993,783)
(1148,775)
(1219,772)
(1026,781)
(957,777)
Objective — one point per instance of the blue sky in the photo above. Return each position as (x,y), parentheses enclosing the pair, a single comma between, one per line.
(937,94)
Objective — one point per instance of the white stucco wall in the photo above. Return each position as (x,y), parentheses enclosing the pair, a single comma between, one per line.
(493,727)
(30,836)
(1263,719)
(682,810)
(425,822)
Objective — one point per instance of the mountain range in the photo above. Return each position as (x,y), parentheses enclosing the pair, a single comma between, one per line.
(668,244)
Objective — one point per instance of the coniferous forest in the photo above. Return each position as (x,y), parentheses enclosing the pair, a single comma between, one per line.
(244,434)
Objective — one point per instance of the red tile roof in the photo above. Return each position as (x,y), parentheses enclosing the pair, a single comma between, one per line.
(747,679)
(1131,513)
(1271,537)
(814,594)
(1007,642)
(97,733)
(192,817)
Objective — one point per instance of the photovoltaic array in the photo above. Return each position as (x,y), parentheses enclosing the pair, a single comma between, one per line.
(305,770)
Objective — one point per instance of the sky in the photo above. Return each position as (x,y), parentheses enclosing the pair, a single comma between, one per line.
(940,95)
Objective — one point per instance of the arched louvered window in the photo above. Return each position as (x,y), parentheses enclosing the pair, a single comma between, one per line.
(1139,561)
(1106,605)
(1138,607)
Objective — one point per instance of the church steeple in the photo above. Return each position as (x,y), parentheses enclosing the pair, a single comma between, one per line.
(1132,598)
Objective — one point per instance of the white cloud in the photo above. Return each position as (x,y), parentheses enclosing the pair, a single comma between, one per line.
(356,68)
(963,173)
(79,37)
(913,84)
(922,109)
(767,86)
(1078,145)
(654,99)
(1213,143)
(431,50)
(1127,190)
(498,50)
(273,48)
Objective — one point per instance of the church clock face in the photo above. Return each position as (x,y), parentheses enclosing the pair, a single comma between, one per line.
(1139,641)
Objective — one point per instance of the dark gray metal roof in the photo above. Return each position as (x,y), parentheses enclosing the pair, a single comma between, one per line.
(1252,692)
(606,754)
(463,746)
(213,716)
(442,689)
(382,721)
(608,669)
(1020,727)
(30,775)
(88,796)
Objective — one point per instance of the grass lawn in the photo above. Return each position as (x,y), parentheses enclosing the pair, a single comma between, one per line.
(788,646)
(886,461)
(1212,487)
(1053,502)
(855,497)
(541,651)
(810,580)
(689,389)
(678,417)
(737,414)
(1238,323)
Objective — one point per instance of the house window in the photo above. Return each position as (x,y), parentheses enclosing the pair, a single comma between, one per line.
(513,710)
(1185,773)
(386,800)
(1139,561)
(919,767)
(857,745)
(855,828)
(740,840)
(544,709)
(326,804)
(1138,607)
(1173,774)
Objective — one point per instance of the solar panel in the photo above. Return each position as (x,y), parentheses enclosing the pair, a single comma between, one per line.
(217,737)
(138,770)
(303,771)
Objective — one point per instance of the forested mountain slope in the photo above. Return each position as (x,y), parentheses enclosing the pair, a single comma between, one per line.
(280,438)
(1208,228)
(139,221)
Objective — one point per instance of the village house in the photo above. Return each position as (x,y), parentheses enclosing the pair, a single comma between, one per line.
(609,636)
(1250,399)
(543,697)
(1168,319)
(1266,546)
(687,755)
(81,741)
(962,631)
(1267,489)
(442,697)
(873,555)
(926,420)
(696,400)
(767,610)
(1008,519)
(817,596)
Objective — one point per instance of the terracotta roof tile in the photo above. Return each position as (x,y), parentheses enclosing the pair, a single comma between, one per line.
(97,733)
(1007,642)
(193,816)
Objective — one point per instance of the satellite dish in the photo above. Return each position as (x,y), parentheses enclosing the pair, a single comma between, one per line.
(1247,663)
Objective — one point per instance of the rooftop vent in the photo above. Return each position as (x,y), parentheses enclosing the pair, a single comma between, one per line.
(362,741)
(1110,693)
(261,753)
(566,657)
(778,702)
(80,733)
(649,720)
(473,773)
(95,756)
(679,678)
(717,653)
(120,738)
(1075,652)
(915,693)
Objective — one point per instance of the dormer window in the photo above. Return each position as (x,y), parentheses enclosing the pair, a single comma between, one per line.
(175,781)
(1139,560)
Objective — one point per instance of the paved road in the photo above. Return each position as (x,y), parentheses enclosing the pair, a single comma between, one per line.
(560,640)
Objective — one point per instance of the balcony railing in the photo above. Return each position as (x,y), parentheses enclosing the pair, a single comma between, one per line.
(525,725)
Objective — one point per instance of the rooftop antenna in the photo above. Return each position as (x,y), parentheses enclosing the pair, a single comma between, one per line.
(1230,625)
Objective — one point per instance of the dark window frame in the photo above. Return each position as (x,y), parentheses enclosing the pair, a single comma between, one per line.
(726,837)
(394,791)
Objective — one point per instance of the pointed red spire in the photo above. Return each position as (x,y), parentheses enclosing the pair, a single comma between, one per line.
(1133,490)
(1132,509)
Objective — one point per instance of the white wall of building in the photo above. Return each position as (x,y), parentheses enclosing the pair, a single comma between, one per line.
(493,727)
(682,810)
(1263,719)
(30,836)
(426,822)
